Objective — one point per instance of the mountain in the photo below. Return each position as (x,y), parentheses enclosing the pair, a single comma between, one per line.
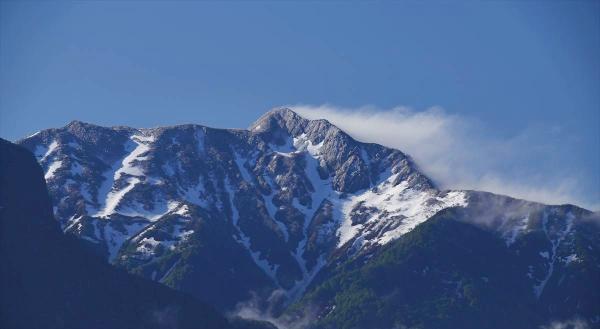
(448,273)
(262,208)
(271,213)
(48,280)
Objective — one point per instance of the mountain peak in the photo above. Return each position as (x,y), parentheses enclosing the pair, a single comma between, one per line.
(282,111)
(291,123)
(281,117)
(78,125)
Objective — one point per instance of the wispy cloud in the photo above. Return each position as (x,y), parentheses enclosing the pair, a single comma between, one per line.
(568,324)
(269,311)
(459,152)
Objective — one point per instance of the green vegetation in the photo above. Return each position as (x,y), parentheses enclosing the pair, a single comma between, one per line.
(443,274)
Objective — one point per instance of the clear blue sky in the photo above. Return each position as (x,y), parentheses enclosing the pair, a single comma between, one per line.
(507,64)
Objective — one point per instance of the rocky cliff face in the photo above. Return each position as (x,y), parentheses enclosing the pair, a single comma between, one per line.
(224,214)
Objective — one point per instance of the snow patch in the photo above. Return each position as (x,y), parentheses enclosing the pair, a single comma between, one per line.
(411,207)
(269,269)
(140,144)
(239,161)
(114,197)
(159,209)
(287,149)
(54,166)
(115,238)
(272,210)
(555,239)
(302,143)
(147,247)
(129,164)
(32,135)
(51,148)
(196,194)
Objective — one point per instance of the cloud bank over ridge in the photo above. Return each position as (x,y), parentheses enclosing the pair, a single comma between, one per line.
(459,153)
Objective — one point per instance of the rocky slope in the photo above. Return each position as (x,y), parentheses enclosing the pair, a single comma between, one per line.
(48,281)
(449,273)
(229,214)
(279,201)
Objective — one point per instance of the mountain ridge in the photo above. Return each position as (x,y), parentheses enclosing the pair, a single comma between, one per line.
(274,111)
(282,204)
(300,164)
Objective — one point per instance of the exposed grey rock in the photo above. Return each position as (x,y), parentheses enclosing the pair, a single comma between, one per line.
(279,201)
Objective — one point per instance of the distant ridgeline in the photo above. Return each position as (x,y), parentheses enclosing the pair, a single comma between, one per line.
(296,222)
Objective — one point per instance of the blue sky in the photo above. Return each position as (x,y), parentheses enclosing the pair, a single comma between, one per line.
(499,70)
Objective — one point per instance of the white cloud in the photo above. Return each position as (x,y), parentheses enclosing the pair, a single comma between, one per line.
(458,152)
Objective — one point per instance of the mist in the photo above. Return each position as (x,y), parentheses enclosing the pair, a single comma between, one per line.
(270,310)
(458,152)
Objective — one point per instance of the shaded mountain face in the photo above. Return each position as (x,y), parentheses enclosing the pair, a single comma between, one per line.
(48,281)
(449,273)
(228,215)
